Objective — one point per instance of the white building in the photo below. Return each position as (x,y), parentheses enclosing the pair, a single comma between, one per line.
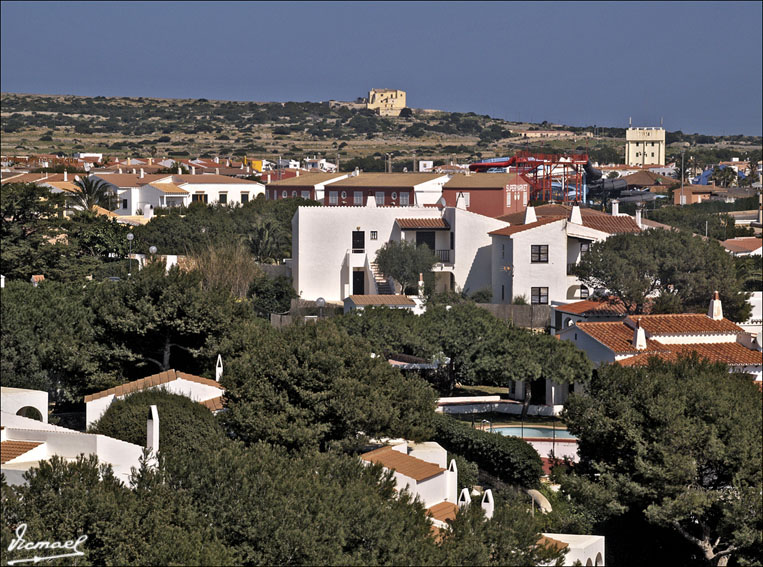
(744,246)
(139,193)
(388,189)
(320,164)
(533,257)
(307,186)
(25,441)
(578,549)
(334,248)
(202,390)
(637,338)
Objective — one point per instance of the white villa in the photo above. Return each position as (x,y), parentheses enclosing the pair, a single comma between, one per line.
(334,248)
(632,341)
(26,441)
(203,390)
(532,257)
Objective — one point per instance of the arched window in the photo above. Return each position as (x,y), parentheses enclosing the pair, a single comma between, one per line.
(30,412)
(284,194)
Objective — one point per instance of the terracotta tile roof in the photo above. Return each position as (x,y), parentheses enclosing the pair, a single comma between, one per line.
(552,210)
(732,354)
(169,188)
(10,450)
(207,178)
(150,381)
(485,181)
(387,180)
(646,178)
(67,186)
(414,224)
(404,464)
(683,324)
(611,225)
(617,337)
(306,180)
(552,543)
(215,404)
(443,511)
(509,230)
(744,244)
(613,306)
(38,278)
(381,300)
(102,211)
(129,179)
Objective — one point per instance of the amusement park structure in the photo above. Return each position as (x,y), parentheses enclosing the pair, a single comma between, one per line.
(554,177)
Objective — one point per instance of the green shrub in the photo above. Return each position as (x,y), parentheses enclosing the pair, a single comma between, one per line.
(185,425)
(510,459)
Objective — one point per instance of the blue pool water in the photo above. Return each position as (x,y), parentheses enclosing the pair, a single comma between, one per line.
(535,432)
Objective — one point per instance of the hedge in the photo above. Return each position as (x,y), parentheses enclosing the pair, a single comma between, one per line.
(509,458)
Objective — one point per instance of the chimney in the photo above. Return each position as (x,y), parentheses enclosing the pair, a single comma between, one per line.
(715,312)
(464,499)
(217,171)
(217,159)
(575,216)
(180,171)
(488,504)
(152,430)
(66,176)
(639,337)
(193,170)
(119,170)
(615,207)
(297,175)
(219,368)
(638,217)
(268,179)
(247,169)
(227,163)
(530,215)
(461,201)
(129,161)
(371,201)
(150,161)
(142,173)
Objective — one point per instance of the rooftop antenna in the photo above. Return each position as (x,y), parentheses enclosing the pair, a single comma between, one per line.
(660,121)
(630,122)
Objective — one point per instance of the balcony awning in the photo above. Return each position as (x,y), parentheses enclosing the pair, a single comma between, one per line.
(433,223)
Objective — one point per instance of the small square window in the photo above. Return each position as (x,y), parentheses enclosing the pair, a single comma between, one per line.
(357,198)
(583,292)
(380,198)
(585,247)
(539,295)
(244,197)
(374,235)
(223,198)
(404,199)
(305,194)
(124,203)
(333,197)
(539,253)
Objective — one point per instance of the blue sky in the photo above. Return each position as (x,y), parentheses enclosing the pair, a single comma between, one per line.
(698,65)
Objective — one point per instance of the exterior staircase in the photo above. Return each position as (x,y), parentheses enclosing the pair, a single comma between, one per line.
(382,283)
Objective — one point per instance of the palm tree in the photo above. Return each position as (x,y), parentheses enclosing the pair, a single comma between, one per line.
(92,192)
(267,241)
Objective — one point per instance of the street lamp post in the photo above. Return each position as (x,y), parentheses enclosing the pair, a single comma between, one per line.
(130,236)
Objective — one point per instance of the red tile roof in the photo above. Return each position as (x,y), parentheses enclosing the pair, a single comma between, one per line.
(150,381)
(415,224)
(613,306)
(617,337)
(443,511)
(215,404)
(10,450)
(683,324)
(611,225)
(744,244)
(509,230)
(733,354)
(402,463)
(553,210)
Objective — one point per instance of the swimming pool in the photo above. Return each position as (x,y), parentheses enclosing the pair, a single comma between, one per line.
(534,432)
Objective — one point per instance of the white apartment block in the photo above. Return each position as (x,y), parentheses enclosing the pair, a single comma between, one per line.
(334,248)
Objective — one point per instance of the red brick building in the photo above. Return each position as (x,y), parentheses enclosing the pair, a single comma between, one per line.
(489,194)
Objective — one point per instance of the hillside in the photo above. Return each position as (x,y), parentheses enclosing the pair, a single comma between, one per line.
(121,126)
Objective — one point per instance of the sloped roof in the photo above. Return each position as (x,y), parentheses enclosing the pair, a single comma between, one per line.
(732,354)
(646,178)
(129,179)
(551,210)
(306,180)
(743,244)
(411,467)
(509,230)
(381,300)
(214,404)
(10,450)
(613,306)
(683,324)
(387,180)
(150,381)
(611,224)
(617,337)
(209,178)
(436,223)
(443,511)
(485,181)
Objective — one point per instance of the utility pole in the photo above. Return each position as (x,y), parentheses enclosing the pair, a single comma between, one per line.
(682,177)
